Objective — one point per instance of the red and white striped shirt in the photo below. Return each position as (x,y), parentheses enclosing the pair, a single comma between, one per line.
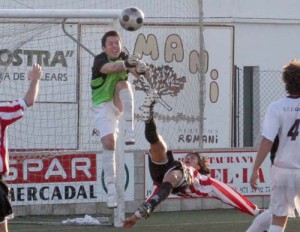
(205,186)
(10,112)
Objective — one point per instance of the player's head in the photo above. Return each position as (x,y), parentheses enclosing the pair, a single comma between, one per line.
(195,160)
(291,77)
(111,44)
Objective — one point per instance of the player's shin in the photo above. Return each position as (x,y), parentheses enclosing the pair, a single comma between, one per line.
(261,222)
(126,98)
(163,192)
(109,166)
(151,132)
(147,207)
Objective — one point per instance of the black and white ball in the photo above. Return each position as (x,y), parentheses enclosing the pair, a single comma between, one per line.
(132,18)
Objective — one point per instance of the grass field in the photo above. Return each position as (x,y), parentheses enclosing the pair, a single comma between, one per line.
(187,221)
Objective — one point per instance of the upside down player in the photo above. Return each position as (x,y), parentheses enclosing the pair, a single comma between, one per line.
(187,179)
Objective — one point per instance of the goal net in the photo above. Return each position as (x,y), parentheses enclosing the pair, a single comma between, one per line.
(55,162)
(54,149)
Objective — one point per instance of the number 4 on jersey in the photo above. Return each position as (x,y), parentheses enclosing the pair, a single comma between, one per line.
(294,130)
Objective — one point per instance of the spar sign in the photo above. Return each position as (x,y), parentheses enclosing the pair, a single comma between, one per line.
(70,178)
(231,167)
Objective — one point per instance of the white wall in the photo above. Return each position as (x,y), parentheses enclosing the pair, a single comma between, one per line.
(266,32)
(269,46)
(268,9)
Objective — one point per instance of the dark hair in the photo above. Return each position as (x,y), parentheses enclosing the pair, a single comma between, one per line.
(291,77)
(107,34)
(202,160)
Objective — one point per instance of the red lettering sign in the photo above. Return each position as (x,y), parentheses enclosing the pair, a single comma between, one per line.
(58,168)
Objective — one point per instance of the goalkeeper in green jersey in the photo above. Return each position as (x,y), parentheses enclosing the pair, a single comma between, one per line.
(112,96)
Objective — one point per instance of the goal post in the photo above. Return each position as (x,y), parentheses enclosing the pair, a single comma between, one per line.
(59,13)
(50,134)
(202,84)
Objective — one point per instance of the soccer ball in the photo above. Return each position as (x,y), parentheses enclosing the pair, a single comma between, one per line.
(132,18)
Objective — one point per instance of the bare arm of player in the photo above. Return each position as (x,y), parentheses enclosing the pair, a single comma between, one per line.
(33,90)
(120,66)
(263,150)
(114,67)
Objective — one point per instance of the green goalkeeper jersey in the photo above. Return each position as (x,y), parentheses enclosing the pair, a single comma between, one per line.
(103,85)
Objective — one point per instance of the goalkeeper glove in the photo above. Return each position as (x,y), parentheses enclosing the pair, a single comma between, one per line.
(141,68)
(132,61)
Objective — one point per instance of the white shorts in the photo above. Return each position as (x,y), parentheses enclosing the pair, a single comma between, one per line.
(285,191)
(107,118)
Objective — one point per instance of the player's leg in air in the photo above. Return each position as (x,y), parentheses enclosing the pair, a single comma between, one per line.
(203,185)
(159,163)
(158,148)
(226,194)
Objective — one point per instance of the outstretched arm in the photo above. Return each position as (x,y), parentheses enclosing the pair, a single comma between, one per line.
(33,90)
(263,150)
(120,66)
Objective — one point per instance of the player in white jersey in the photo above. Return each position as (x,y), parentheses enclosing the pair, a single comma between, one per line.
(10,112)
(283,119)
(263,221)
(187,179)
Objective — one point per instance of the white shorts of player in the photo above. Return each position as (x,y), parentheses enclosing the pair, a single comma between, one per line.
(285,191)
(107,118)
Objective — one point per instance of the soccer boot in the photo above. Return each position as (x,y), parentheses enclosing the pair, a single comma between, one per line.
(147,108)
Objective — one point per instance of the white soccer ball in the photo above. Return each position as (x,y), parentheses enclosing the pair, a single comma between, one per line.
(132,18)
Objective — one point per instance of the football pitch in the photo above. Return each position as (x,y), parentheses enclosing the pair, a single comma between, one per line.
(204,220)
